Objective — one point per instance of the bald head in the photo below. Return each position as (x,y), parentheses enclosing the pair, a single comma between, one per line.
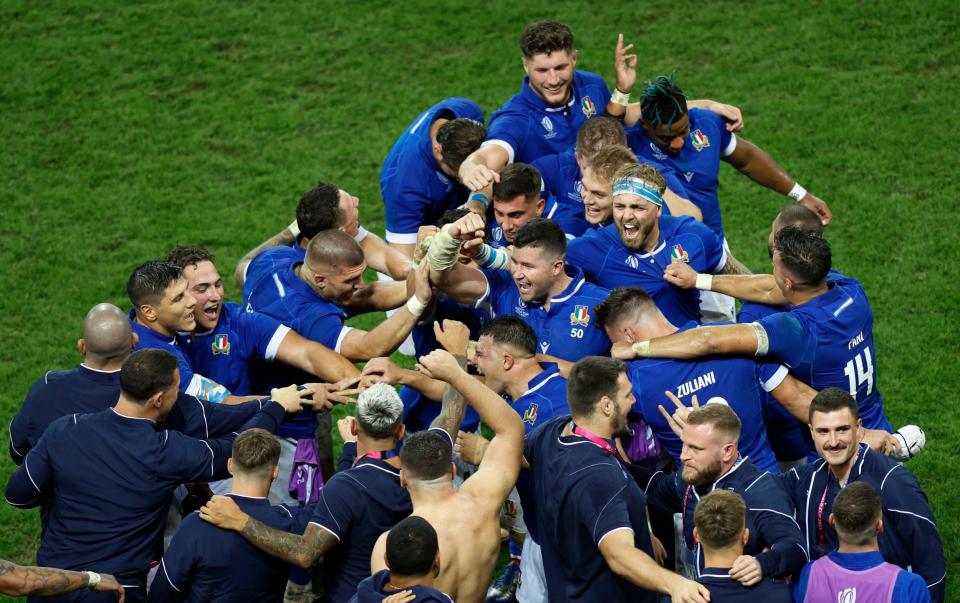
(332,251)
(107,336)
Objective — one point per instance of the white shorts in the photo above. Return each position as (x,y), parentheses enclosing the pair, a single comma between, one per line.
(533,582)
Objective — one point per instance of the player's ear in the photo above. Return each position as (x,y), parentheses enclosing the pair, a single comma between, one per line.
(453,471)
(631,334)
(134,340)
(573,58)
(275,473)
(830,520)
(401,430)
(508,361)
(82,347)
(745,537)
(436,564)
(148,312)
(230,465)
(540,205)
(353,428)
(696,535)
(403,479)
(879,527)
(526,65)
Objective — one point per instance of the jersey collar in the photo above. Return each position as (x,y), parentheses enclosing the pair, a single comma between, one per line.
(576,283)
(550,371)
(294,282)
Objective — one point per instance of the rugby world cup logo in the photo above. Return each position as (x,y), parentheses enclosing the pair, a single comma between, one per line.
(548,126)
(632,261)
(847,595)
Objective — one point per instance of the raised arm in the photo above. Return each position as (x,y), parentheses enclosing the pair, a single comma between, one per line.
(482,167)
(696,343)
(384,258)
(314,358)
(501,462)
(287,236)
(463,283)
(753,162)
(759,288)
(384,370)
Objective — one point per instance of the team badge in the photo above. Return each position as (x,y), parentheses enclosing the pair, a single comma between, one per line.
(530,416)
(679,254)
(580,316)
(220,345)
(699,140)
(588,108)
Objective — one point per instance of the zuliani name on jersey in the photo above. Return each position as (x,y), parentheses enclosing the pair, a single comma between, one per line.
(696,384)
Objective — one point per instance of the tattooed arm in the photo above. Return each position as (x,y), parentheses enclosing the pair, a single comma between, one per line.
(734,266)
(22,581)
(302,551)
(453,407)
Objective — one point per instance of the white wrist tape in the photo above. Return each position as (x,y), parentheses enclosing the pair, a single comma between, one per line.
(704,282)
(294,228)
(93,580)
(415,306)
(763,341)
(620,98)
(642,349)
(797,192)
(444,250)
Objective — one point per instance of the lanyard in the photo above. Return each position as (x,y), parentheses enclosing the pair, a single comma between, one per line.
(380,455)
(602,443)
(821,532)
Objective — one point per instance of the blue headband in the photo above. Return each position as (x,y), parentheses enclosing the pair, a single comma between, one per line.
(636,186)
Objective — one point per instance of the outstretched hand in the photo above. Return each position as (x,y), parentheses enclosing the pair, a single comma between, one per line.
(623,350)
(109,584)
(731,114)
(625,66)
(818,206)
(291,398)
(476,176)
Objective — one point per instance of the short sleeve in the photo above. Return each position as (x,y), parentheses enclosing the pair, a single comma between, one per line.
(508,131)
(786,337)
(325,329)
(406,212)
(770,374)
(601,503)
(713,257)
(264,332)
(186,371)
(335,511)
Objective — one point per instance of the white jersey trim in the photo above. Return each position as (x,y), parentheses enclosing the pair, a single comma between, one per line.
(402,238)
(274,346)
(503,144)
(611,532)
(341,337)
(731,146)
(774,382)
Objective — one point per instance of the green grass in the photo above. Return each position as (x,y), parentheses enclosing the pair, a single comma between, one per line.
(128,128)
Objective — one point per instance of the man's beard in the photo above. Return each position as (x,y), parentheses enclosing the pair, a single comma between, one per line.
(705,476)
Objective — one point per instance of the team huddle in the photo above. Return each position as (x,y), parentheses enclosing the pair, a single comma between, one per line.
(589,401)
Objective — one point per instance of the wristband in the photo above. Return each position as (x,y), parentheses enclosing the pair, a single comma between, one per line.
(444,250)
(93,580)
(480,198)
(415,306)
(294,228)
(704,282)
(763,341)
(620,98)
(494,259)
(642,349)
(797,192)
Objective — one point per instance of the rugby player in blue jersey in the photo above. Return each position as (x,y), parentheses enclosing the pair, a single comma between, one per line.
(693,141)
(826,337)
(419,180)
(552,104)
(641,243)
(518,197)
(551,297)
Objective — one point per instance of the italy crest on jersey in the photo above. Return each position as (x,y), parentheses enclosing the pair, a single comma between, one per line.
(580,316)
(220,345)
(530,415)
(588,108)
(699,140)
(679,254)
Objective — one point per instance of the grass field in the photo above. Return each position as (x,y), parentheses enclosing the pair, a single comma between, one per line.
(128,128)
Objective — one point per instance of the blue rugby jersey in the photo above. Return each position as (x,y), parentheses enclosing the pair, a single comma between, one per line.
(568,330)
(528,128)
(738,382)
(106,480)
(828,342)
(698,164)
(227,352)
(724,589)
(909,538)
(582,494)
(415,190)
(285,297)
(150,339)
(545,398)
(269,261)
(357,506)
(606,261)
(570,223)
(207,563)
